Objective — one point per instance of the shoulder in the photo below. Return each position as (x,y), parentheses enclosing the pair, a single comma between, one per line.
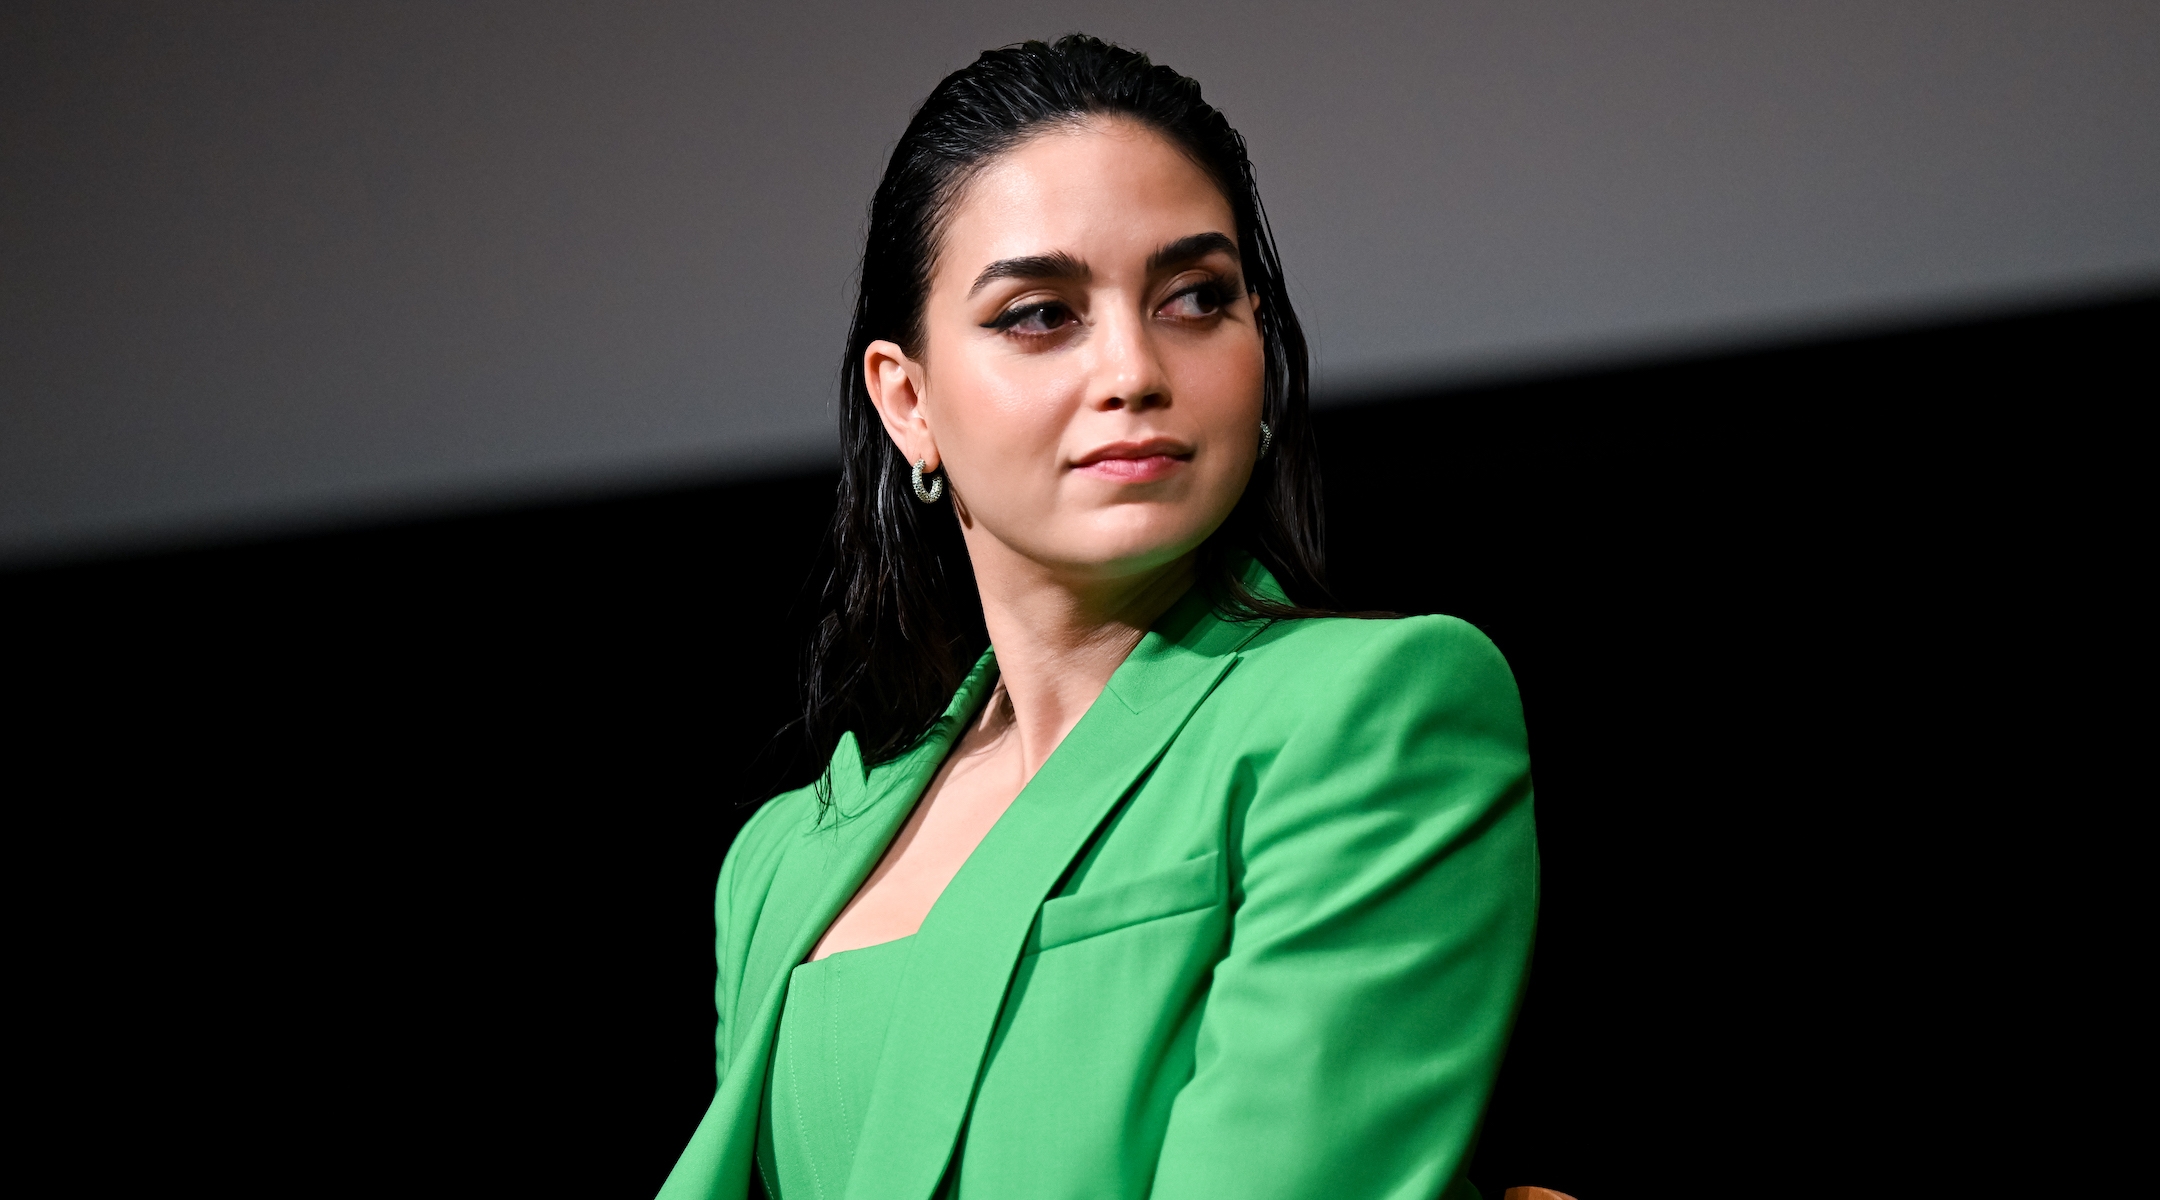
(1323,636)
(1339,686)
(755,854)
(1417,659)
(1360,733)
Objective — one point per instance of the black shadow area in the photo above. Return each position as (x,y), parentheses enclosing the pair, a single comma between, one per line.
(382,861)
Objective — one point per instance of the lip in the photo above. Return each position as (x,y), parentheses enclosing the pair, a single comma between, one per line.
(1135,462)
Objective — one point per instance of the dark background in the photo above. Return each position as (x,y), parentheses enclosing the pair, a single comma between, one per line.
(381,860)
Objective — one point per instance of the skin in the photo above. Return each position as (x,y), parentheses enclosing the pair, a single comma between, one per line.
(1088,448)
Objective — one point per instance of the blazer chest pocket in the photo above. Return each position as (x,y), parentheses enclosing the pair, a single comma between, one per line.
(1190,885)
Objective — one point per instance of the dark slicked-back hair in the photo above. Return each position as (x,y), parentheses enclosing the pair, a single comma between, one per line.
(899,618)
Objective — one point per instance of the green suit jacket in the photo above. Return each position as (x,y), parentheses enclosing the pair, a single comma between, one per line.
(1258,928)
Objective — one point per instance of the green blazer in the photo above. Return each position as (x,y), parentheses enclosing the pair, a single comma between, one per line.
(1258,928)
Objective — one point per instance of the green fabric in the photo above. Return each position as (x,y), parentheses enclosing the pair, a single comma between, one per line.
(824,1063)
(1257,929)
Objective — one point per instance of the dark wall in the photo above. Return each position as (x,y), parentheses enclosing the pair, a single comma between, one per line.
(382,861)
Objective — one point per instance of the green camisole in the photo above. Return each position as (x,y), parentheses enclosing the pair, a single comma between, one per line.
(824,1061)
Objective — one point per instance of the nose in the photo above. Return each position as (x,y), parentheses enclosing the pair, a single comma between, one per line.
(1125,371)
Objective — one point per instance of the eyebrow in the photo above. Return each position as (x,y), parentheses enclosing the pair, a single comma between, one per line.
(1194,246)
(1060,265)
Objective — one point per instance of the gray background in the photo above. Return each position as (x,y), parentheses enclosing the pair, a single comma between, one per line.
(272,266)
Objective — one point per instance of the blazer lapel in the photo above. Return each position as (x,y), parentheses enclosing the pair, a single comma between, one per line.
(813,882)
(964,955)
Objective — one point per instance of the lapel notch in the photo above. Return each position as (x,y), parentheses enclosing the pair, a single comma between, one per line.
(820,870)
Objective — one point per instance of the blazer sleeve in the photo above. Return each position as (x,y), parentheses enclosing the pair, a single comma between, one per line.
(724,987)
(729,943)
(1386,890)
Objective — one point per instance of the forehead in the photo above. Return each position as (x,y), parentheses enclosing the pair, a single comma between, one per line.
(1106,191)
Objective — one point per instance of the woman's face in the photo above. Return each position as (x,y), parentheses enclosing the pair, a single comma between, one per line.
(1091,373)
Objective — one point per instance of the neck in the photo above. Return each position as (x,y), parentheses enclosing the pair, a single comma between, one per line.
(1059,639)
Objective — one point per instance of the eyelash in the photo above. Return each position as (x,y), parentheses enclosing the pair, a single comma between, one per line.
(1005,321)
(1216,293)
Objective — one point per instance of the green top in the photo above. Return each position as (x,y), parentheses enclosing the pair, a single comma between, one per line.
(824,1062)
(1257,929)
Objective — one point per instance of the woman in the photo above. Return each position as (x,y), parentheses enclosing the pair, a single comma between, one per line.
(1129,875)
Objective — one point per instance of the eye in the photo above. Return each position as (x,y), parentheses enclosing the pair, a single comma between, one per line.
(1040,318)
(1199,301)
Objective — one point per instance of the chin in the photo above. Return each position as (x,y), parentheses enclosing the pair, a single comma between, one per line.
(1138,545)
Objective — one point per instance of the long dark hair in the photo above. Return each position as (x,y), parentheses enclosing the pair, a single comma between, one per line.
(899,619)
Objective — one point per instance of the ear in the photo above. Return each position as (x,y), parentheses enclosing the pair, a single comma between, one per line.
(896,384)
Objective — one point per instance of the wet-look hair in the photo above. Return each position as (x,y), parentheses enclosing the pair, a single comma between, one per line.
(899,620)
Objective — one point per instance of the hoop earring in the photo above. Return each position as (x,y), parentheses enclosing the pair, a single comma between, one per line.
(931,494)
(1267,439)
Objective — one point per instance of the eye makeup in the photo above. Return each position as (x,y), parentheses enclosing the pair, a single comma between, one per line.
(1046,317)
(1209,295)
(1041,318)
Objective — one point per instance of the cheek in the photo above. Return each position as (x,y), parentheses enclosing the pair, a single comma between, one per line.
(1221,382)
(998,423)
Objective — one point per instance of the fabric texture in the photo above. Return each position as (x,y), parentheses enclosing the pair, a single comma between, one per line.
(824,1064)
(1258,928)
